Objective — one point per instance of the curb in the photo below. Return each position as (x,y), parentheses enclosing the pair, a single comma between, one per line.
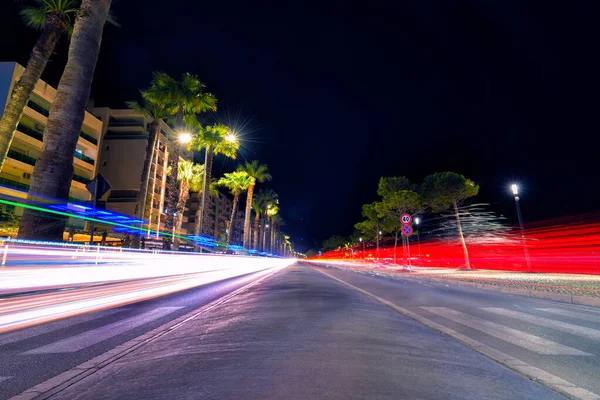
(52,386)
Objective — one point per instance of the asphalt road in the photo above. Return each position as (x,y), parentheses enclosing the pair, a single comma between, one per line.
(303,334)
(33,355)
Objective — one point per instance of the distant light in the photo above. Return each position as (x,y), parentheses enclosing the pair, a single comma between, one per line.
(417,220)
(380,232)
(360,239)
(515,189)
(231,138)
(185,137)
(267,225)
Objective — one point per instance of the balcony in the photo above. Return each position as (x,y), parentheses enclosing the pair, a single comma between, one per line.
(89,138)
(21,157)
(84,158)
(41,109)
(14,184)
(31,132)
(81,179)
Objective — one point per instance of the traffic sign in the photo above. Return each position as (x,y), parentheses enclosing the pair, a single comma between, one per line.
(98,186)
(407,230)
(405,219)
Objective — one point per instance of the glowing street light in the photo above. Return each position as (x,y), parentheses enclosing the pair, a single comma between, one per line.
(515,191)
(185,138)
(231,138)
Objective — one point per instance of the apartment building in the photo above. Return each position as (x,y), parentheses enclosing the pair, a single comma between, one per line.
(122,155)
(27,143)
(217,222)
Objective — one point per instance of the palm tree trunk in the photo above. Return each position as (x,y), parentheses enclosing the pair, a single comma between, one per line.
(272,239)
(54,168)
(263,232)
(236,199)
(184,195)
(462,237)
(256,229)
(206,191)
(22,90)
(173,183)
(247,216)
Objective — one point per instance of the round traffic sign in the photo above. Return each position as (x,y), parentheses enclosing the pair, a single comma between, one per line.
(405,219)
(407,230)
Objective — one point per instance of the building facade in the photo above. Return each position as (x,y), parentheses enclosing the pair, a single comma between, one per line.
(217,223)
(122,155)
(27,143)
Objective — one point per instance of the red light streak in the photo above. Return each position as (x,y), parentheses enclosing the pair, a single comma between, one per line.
(568,245)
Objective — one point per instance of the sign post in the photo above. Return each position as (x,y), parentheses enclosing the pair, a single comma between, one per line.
(407,230)
(98,188)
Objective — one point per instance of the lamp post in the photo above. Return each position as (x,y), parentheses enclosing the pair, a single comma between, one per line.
(417,222)
(515,191)
(363,246)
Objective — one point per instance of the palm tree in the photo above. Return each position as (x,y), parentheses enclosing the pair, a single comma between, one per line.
(181,98)
(190,178)
(215,140)
(259,173)
(53,18)
(236,182)
(156,112)
(271,212)
(54,168)
(264,199)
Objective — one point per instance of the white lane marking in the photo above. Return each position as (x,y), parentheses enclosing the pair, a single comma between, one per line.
(572,314)
(89,338)
(547,322)
(28,333)
(3,378)
(515,364)
(512,336)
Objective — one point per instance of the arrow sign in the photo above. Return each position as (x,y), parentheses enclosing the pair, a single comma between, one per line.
(407,230)
(405,219)
(99,186)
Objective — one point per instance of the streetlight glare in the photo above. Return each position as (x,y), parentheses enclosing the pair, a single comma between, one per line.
(231,138)
(417,220)
(515,189)
(185,137)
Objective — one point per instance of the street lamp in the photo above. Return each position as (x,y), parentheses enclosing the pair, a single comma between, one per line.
(418,221)
(515,191)
(185,138)
(363,245)
(231,138)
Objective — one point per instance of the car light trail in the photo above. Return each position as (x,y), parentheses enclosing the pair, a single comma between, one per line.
(50,283)
(568,245)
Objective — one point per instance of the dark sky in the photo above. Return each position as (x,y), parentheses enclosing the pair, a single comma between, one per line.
(336,94)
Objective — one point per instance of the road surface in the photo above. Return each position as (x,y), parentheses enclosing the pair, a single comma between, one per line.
(302,333)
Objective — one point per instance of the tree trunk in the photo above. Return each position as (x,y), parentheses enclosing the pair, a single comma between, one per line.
(173,183)
(247,216)
(206,191)
(272,239)
(461,237)
(55,26)
(256,230)
(184,195)
(236,199)
(263,233)
(53,171)
(140,206)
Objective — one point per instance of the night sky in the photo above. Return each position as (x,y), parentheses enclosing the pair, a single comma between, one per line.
(334,94)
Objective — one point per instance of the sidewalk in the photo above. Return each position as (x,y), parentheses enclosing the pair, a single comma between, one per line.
(572,288)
